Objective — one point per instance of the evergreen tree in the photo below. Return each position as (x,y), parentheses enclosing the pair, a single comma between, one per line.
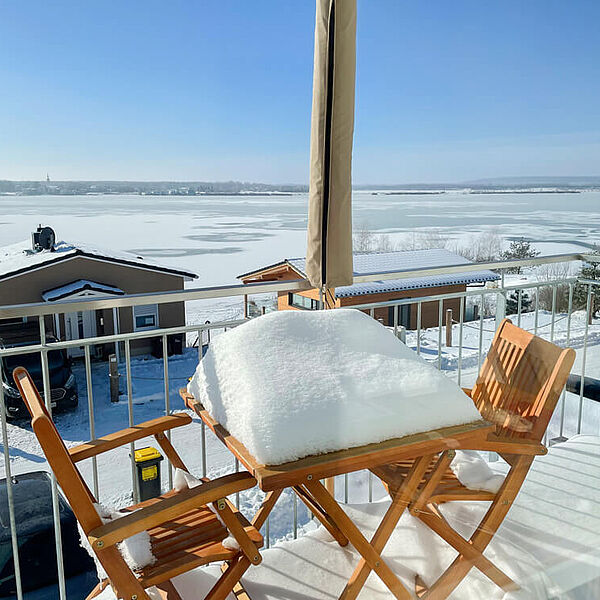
(518,249)
(512,303)
(588,271)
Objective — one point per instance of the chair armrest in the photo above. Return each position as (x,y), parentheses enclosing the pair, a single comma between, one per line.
(495,443)
(168,508)
(467,391)
(125,436)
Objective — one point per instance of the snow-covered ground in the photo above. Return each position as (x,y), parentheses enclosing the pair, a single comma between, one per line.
(548,543)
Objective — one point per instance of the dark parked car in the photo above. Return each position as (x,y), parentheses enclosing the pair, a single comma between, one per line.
(32,494)
(62,381)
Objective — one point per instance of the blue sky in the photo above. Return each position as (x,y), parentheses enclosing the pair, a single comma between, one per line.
(217,90)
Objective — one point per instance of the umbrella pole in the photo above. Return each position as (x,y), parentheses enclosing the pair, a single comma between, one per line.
(330,482)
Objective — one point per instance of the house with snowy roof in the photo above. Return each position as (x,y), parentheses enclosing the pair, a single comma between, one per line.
(385,290)
(46,270)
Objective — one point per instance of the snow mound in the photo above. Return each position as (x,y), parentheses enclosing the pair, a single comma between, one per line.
(474,472)
(135,550)
(293,383)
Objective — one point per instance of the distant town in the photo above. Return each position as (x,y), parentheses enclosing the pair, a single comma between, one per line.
(149,188)
(215,188)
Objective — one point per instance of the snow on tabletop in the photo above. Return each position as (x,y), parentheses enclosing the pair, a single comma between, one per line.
(294,383)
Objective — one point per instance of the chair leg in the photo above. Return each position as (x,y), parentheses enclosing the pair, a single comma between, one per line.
(124,582)
(485,532)
(440,526)
(432,481)
(229,578)
(420,586)
(167,591)
(98,589)
(238,589)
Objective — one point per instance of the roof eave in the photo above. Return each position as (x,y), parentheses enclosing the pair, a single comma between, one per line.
(187,276)
(281,263)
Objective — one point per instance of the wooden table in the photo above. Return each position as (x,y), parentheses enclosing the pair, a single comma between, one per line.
(304,476)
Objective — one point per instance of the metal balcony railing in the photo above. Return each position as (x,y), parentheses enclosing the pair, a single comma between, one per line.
(462,362)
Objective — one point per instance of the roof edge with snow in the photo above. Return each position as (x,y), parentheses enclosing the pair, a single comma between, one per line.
(384,262)
(24,261)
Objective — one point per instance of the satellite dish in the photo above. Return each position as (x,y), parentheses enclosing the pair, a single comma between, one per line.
(43,239)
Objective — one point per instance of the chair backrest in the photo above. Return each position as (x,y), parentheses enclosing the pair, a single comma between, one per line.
(520,382)
(72,484)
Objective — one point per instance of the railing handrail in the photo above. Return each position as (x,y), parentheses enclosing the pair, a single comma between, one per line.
(119,337)
(38,309)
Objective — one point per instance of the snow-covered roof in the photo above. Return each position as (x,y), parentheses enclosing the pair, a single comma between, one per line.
(383,262)
(20,258)
(79,286)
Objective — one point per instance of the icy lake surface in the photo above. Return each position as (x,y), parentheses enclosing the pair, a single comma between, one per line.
(220,237)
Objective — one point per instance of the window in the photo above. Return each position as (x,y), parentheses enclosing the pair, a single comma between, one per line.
(145,317)
(299,301)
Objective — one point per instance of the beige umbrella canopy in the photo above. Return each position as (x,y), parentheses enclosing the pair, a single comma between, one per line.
(329,251)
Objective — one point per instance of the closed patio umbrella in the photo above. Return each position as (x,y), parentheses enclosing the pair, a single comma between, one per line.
(329,249)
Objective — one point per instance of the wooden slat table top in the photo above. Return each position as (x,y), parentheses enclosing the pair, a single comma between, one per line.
(275,477)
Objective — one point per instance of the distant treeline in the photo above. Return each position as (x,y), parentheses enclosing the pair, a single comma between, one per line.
(194,188)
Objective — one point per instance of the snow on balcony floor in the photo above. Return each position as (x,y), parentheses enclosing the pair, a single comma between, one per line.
(549,543)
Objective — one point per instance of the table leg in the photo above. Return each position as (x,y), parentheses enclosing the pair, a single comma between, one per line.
(400,501)
(367,551)
(321,515)
(265,508)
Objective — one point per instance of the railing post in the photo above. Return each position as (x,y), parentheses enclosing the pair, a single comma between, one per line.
(449,328)
(113,375)
(500,307)
(401,333)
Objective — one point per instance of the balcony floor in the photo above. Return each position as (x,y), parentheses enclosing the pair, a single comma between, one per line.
(550,543)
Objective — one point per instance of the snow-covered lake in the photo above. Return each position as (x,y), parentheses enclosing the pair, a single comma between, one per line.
(220,237)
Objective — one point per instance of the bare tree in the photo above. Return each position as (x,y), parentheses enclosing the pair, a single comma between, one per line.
(364,239)
(424,240)
(482,247)
(546,274)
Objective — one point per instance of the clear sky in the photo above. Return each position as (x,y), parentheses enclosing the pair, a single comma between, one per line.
(447,90)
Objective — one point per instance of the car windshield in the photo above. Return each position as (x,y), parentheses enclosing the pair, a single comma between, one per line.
(32,362)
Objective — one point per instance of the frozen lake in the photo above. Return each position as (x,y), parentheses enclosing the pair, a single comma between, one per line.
(220,237)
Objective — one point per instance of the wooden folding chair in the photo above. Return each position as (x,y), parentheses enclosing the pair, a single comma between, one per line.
(184,532)
(517,389)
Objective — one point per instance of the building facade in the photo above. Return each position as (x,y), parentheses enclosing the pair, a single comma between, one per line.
(75,271)
(384,290)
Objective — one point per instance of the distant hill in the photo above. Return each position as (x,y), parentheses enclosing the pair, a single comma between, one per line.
(587,181)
